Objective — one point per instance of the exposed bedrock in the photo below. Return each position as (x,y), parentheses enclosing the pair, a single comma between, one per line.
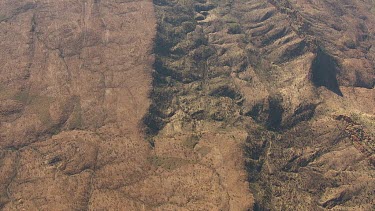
(187,105)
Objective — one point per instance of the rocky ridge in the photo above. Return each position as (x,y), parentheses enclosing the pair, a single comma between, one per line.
(187,105)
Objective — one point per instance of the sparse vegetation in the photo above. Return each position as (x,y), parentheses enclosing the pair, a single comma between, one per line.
(76,121)
(22,96)
(366,120)
(183,56)
(372,6)
(2,17)
(169,163)
(40,106)
(234,28)
(230,113)
(191,141)
(204,151)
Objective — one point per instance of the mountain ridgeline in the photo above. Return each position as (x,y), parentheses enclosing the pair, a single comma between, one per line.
(187,105)
(266,68)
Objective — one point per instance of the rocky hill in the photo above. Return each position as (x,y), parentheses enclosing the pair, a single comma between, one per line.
(187,105)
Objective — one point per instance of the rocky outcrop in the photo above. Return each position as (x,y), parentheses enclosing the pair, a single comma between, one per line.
(187,105)
(76,85)
(276,71)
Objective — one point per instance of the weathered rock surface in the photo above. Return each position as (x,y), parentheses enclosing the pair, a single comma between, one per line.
(187,105)
(75,77)
(285,74)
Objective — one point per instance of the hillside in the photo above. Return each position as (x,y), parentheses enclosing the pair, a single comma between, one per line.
(187,105)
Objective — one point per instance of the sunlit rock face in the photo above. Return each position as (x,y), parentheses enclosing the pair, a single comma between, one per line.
(187,105)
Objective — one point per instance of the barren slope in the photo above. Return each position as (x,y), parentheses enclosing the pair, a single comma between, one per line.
(187,105)
(296,77)
(75,77)
(75,80)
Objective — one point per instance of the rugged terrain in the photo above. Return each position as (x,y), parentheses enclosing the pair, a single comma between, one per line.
(187,105)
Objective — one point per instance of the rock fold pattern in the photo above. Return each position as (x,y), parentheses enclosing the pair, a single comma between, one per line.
(187,105)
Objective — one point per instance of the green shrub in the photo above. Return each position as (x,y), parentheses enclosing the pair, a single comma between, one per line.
(188,26)
(234,28)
